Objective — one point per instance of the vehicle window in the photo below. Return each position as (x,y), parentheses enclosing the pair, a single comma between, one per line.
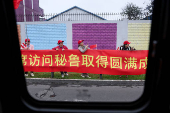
(84,51)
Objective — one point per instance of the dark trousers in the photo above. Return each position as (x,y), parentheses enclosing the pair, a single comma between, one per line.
(62,72)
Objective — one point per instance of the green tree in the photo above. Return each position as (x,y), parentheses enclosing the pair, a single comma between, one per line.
(149,8)
(132,11)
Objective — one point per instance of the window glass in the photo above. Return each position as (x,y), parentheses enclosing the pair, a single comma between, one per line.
(84,50)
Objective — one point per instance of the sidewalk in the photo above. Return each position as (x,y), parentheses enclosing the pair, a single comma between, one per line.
(84,82)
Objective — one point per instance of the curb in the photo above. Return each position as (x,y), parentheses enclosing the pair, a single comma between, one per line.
(83,82)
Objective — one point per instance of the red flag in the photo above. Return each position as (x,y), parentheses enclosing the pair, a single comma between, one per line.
(23,45)
(16,3)
(93,46)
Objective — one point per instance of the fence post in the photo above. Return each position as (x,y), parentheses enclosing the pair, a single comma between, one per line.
(101,76)
(52,74)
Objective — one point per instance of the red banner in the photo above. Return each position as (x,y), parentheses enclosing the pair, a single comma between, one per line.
(112,62)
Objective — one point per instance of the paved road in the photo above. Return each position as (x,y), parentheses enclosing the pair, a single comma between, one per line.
(85,93)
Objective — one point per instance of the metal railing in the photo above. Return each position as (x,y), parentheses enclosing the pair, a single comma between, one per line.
(76,17)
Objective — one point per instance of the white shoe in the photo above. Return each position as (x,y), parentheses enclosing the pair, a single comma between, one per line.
(62,75)
(32,74)
(26,75)
(82,76)
(88,76)
(66,74)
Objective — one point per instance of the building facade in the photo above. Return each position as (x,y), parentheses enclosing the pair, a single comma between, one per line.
(75,14)
(29,10)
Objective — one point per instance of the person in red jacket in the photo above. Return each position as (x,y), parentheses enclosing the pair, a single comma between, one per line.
(61,47)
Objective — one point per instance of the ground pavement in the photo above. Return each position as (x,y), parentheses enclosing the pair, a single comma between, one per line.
(85,90)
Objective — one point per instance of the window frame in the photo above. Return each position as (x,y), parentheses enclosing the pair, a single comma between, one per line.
(151,81)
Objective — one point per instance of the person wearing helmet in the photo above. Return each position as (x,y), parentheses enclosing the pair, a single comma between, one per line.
(82,48)
(61,47)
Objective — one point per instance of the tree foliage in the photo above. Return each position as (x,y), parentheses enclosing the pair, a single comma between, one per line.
(132,11)
(149,8)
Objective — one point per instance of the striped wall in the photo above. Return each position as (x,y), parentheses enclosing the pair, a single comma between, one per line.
(138,35)
(102,34)
(45,36)
(106,34)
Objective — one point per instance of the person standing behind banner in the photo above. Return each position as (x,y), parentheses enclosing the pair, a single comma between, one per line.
(126,47)
(28,47)
(82,48)
(61,47)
